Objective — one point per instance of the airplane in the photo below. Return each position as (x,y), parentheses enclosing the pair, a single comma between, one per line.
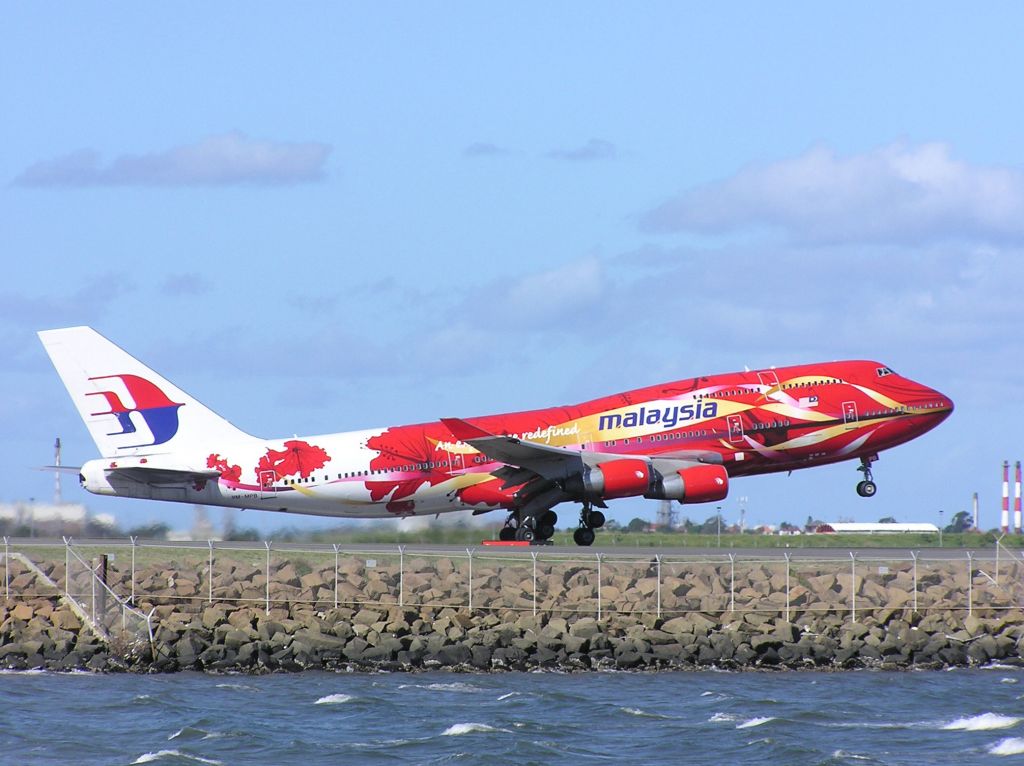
(685,440)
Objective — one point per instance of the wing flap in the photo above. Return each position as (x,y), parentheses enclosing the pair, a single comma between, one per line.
(163,476)
(541,459)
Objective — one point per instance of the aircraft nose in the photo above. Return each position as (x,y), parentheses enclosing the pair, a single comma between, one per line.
(932,402)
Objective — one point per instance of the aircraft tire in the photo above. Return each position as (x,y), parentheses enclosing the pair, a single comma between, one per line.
(584,536)
(867,488)
(507,533)
(545,531)
(595,520)
(525,533)
(548,518)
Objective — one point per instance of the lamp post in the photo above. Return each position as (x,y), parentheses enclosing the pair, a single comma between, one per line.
(940,529)
(718,518)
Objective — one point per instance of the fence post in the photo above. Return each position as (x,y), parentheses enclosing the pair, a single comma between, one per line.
(134,539)
(970,583)
(533,554)
(401,575)
(209,589)
(469,553)
(787,586)
(7,569)
(67,566)
(267,603)
(598,586)
(999,544)
(335,546)
(853,587)
(732,582)
(914,556)
(657,561)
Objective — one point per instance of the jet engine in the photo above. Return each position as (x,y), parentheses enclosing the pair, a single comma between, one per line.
(633,477)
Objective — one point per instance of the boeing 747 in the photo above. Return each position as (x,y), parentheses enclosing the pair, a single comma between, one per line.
(684,441)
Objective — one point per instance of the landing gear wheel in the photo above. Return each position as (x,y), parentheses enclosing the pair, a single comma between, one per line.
(545,531)
(867,488)
(525,533)
(548,518)
(584,536)
(507,533)
(595,520)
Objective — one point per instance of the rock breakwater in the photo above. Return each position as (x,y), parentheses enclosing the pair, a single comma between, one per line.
(388,611)
(44,634)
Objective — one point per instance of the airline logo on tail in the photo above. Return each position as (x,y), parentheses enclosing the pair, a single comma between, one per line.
(158,412)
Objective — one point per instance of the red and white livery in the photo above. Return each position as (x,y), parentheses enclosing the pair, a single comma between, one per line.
(685,441)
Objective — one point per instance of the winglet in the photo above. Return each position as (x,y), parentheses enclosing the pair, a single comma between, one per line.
(464,431)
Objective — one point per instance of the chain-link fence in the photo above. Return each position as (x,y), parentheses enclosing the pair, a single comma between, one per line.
(119,583)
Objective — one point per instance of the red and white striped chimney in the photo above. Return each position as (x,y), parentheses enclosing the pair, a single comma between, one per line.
(1016,498)
(1005,520)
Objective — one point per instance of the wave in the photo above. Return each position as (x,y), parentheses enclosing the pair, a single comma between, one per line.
(152,757)
(1008,746)
(457,686)
(723,718)
(458,729)
(239,687)
(1007,680)
(755,722)
(334,699)
(983,722)
(850,756)
(644,714)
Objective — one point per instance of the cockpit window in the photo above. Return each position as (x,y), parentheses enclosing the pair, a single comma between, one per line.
(883,371)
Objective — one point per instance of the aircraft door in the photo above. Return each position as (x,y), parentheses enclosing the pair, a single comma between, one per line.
(850,414)
(267,484)
(456,462)
(735,423)
(768,378)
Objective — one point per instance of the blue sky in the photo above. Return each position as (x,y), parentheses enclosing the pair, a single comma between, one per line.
(343,217)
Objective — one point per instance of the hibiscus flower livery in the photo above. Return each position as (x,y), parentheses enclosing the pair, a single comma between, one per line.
(297,457)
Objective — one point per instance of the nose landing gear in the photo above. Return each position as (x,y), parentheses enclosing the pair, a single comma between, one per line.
(867,487)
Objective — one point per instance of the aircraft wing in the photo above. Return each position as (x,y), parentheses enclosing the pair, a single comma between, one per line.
(537,459)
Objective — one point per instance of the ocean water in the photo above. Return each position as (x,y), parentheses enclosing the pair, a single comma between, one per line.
(863,717)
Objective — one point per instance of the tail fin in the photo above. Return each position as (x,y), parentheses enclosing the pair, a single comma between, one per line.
(128,408)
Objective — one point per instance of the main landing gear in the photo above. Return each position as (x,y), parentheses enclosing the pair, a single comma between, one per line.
(533,528)
(867,487)
(589,521)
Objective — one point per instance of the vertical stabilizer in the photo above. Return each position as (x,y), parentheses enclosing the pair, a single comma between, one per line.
(127,407)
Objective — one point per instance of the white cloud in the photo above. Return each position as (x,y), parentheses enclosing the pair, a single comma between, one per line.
(551,295)
(221,160)
(896,193)
(594,149)
(484,149)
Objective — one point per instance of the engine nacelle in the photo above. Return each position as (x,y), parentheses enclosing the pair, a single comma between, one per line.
(616,478)
(696,484)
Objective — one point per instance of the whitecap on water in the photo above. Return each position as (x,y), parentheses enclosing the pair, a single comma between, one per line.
(1007,680)
(850,756)
(643,713)
(723,718)
(510,695)
(1008,746)
(983,722)
(160,754)
(457,686)
(755,722)
(468,728)
(239,687)
(333,699)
